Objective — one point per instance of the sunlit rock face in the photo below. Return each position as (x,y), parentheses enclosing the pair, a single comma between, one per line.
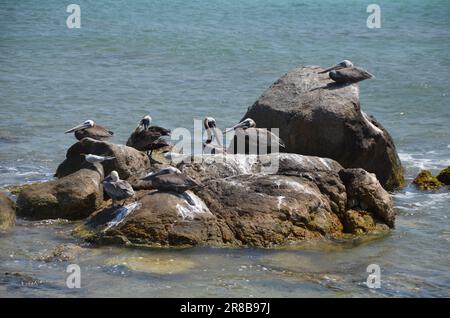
(73,197)
(318,117)
(7,213)
(264,201)
(127,160)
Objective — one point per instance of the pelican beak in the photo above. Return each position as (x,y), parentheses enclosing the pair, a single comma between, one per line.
(333,68)
(240,125)
(81,126)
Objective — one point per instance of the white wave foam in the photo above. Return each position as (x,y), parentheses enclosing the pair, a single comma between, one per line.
(417,161)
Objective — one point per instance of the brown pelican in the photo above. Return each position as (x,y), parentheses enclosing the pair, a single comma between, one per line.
(90,129)
(208,147)
(117,189)
(258,138)
(146,137)
(171,179)
(346,73)
(94,158)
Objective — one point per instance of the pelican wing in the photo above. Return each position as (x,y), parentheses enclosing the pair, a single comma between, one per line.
(350,75)
(160,130)
(96,132)
(144,139)
(174,182)
(119,190)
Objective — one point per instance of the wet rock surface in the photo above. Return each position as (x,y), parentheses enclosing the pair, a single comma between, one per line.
(320,118)
(72,197)
(244,201)
(444,176)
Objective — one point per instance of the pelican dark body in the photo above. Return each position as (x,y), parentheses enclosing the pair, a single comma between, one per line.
(146,137)
(349,75)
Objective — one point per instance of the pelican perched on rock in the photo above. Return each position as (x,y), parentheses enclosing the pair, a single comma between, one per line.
(90,129)
(171,179)
(94,158)
(146,137)
(117,189)
(346,73)
(258,138)
(211,129)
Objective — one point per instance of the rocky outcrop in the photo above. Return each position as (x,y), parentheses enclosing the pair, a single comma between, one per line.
(274,199)
(426,181)
(128,161)
(7,213)
(365,193)
(444,176)
(72,197)
(320,118)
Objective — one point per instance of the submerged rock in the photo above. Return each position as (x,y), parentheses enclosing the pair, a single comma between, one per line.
(128,161)
(7,213)
(153,264)
(73,197)
(426,181)
(62,253)
(444,176)
(247,201)
(320,118)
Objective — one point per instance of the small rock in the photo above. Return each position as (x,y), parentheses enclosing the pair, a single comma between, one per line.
(444,176)
(426,181)
(365,193)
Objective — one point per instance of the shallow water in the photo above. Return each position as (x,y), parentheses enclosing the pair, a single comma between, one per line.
(181,61)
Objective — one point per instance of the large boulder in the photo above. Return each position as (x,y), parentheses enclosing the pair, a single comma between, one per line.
(7,213)
(72,197)
(275,199)
(127,162)
(317,117)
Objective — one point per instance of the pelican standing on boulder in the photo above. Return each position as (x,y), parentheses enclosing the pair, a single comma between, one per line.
(117,189)
(146,137)
(211,129)
(171,179)
(346,73)
(258,138)
(90,129)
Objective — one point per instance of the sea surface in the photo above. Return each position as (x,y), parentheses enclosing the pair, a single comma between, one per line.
(184,60)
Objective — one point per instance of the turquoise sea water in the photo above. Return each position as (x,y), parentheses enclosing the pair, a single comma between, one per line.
(180,60)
